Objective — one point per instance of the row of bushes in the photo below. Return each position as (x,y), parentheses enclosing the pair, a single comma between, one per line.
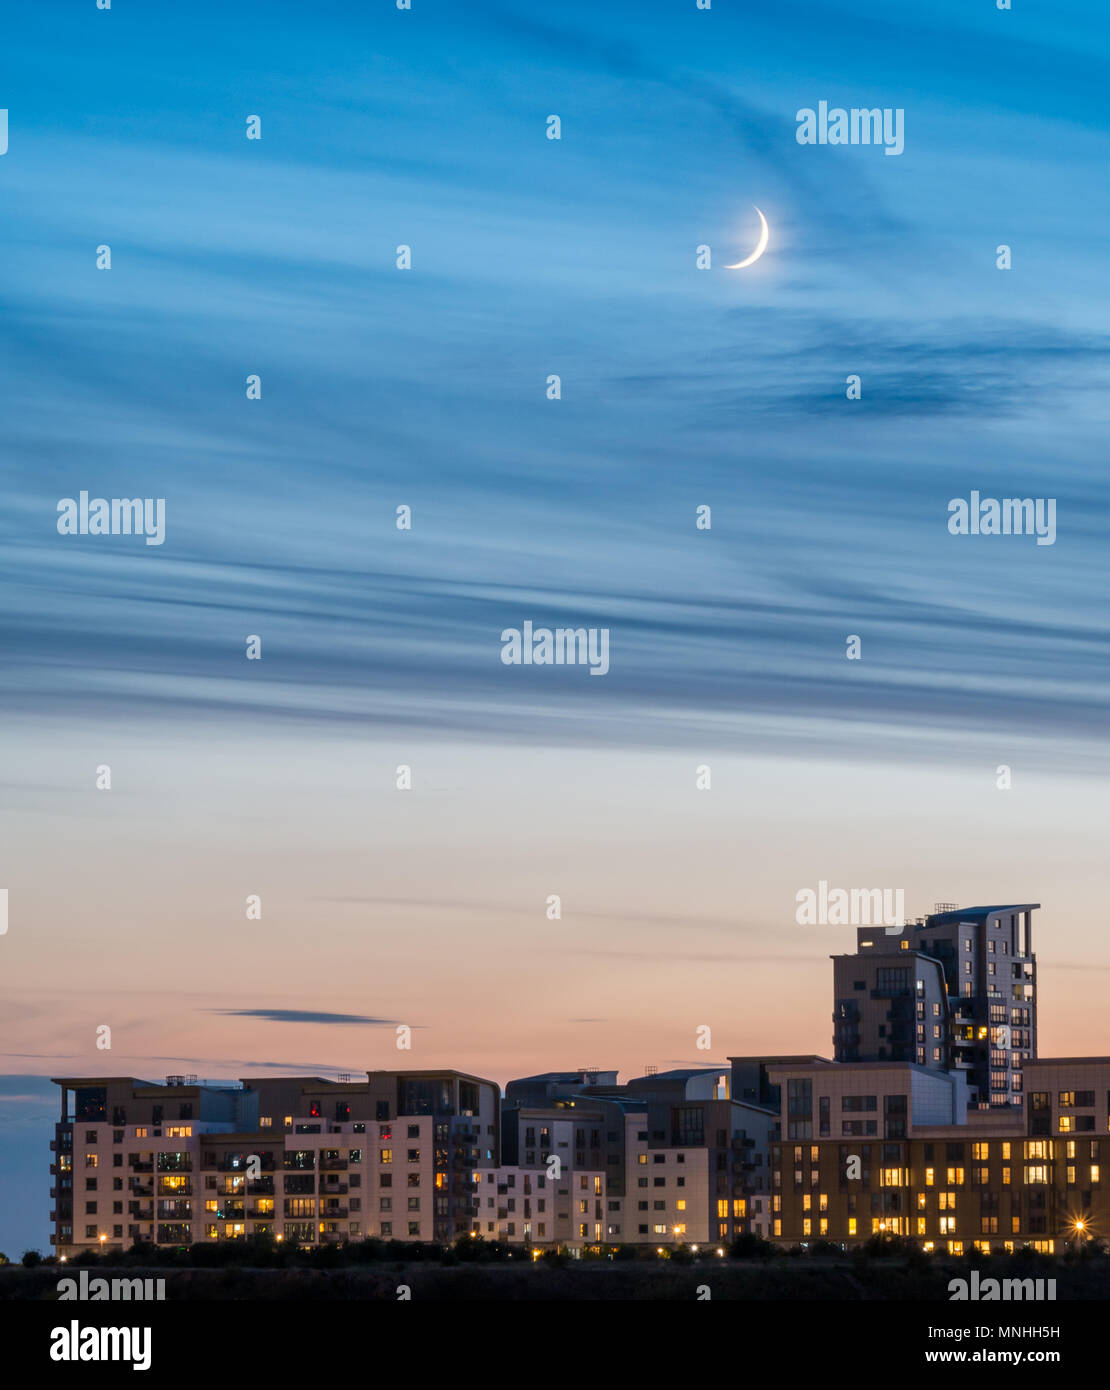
(264,1252)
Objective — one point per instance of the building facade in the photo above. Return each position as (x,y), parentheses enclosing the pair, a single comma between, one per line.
(889,1004)
(398,1156)
(892,1149)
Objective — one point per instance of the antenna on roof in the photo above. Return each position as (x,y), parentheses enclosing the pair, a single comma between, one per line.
(651,1070)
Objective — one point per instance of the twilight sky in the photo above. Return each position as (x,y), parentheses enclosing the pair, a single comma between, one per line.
(427,388)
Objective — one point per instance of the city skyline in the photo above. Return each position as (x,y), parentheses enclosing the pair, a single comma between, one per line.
(256,882)
(947,1053)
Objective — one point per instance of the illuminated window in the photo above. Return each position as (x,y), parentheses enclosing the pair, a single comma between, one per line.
(1070,1177)
(948,1225)
(140,1133)
(1067,1124)
(1036,1173)
(807,1226)
(680,1205)
(1005,1177)
(980,1151)
(385,1155)
(722,1206)
(823,1201)
(955,1177)
(929,1177)
(1036,1148)
(1094,1173)
(920,1225)
(823,1226)
(1006,1149)
(179,1132)
(807,1202)
(851,1225)
(778,1225)
(289,1122)
(265,1121)
(921,1201)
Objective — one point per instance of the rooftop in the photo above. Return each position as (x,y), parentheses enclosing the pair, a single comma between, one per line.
(959,914)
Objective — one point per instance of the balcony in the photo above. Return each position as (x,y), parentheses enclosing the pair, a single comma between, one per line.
(142,1167)
(141,1211)
(332,1213)
(141,1189)
(335,1188)
(332,1165)
(256,1215)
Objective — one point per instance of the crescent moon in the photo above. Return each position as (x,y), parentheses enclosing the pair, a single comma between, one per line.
(760,247)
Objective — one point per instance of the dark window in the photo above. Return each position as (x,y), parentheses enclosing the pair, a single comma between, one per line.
(90,1102)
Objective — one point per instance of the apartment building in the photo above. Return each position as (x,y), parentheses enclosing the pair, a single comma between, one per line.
(888,1005)
(397,1156)
(889,1148)
(682,1163)
(532,1206)
(891,1006)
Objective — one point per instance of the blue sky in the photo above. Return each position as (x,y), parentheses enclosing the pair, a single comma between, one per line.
(427,387)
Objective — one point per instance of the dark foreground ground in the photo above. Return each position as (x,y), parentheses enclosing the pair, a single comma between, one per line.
(776,1279)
